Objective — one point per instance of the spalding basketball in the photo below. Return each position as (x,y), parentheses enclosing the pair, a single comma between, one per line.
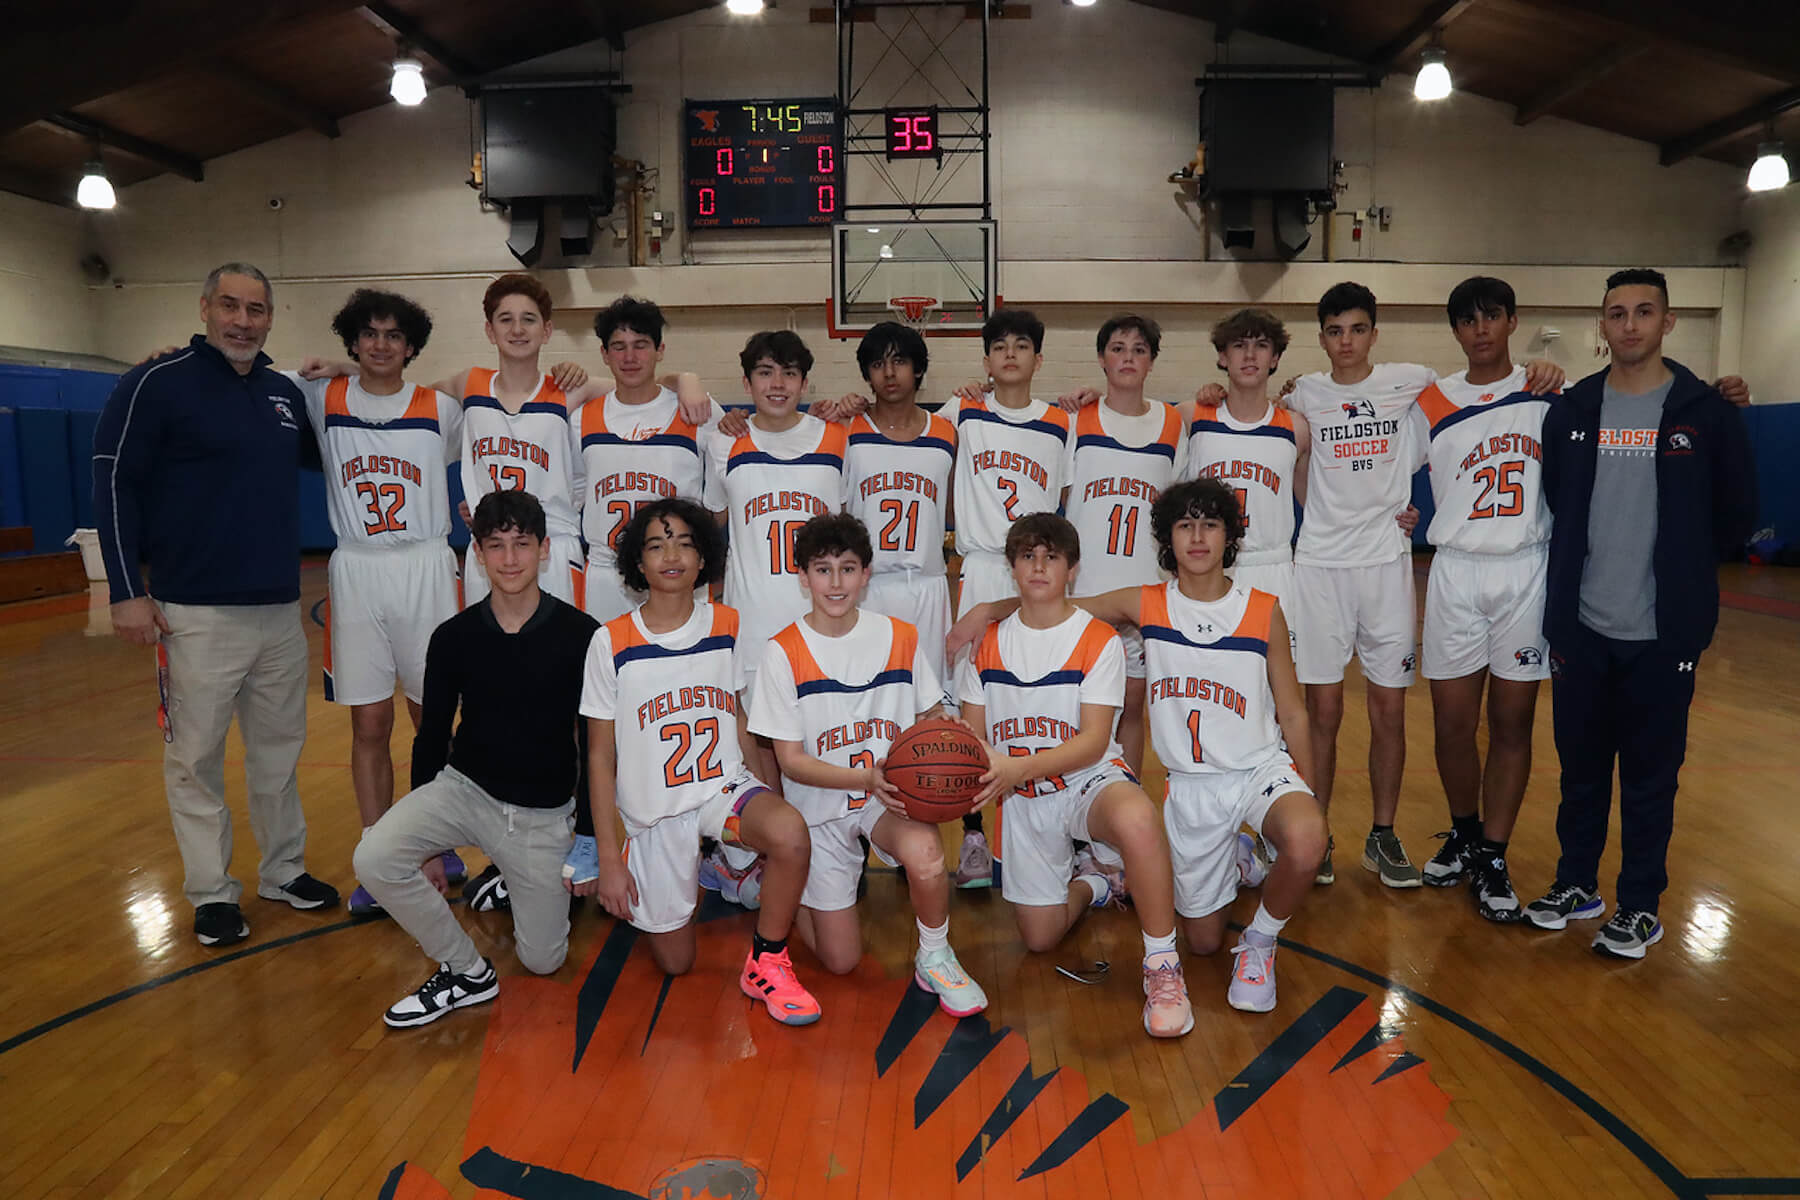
(937,766)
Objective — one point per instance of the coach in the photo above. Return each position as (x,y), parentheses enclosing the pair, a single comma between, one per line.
(195,464)
(1648,472)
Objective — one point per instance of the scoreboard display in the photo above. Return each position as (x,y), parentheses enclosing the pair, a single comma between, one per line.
(760,164)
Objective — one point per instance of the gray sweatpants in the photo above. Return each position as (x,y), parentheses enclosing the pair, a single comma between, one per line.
(528,845)
(249,660)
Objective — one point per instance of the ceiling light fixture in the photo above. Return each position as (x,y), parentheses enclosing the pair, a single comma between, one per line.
(95,190)
(1433,82)
(408,87)
(1770,170)
(743,8)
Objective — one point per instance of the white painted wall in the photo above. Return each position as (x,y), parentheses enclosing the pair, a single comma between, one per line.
(1771,337)
(44,302)
(1092,109)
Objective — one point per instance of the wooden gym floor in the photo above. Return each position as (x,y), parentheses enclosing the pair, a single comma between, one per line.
(1416,1051)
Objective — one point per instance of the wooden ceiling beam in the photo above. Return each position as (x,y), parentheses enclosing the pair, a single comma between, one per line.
(37,187)
(1750,35)
(1578,81)
(386,16)
(1434,20)
(273,96)
(86,128)
(45,76)
(1699,141)
(603,18)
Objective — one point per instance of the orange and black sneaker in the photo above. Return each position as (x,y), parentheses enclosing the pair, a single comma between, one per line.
(769,977)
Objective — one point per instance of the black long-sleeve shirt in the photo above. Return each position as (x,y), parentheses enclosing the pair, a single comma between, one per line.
(521,737)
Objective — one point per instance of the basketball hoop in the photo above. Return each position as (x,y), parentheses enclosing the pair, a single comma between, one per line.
(913,310)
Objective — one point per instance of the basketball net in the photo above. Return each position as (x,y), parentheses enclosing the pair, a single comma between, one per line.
(913,310)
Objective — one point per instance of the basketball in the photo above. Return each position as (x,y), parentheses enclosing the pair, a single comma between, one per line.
(937,765)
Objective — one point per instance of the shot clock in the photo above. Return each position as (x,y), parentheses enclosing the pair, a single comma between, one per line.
(912,133)
(763,163)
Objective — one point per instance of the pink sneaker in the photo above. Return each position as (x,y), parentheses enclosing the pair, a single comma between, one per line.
(975,862)
(1167,1012)
(770,978)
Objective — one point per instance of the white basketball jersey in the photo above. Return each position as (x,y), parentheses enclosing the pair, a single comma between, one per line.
(1256,461)
(1033,682)
(1359,475)
(632,454)
(1207,679)
(898,490)
(673,701)
(1116,467)
(384,459)
(844,699)
(771,484)
(529,451)
(1009,462)
(1487,464)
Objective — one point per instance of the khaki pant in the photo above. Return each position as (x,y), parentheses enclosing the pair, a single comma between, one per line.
(249,660)
(527,844)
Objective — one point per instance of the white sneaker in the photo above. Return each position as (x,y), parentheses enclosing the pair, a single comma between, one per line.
(1252,977)
(1252,870)
(1117,891)
(939,972)
(444,991)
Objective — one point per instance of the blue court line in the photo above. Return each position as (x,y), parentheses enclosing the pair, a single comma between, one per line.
(1679,1184)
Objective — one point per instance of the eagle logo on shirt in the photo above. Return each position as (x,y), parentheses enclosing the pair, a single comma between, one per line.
(284,412)
(1680,441)
(1528,656)
(1360,408)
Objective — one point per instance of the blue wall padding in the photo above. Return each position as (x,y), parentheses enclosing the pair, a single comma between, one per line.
(1775,441)
(12,490)
(44,474)
(82,423)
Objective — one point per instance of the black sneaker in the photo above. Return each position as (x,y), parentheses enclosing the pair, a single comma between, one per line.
(486,892)
(442,992)
(1630,932)
(302,891)
(220,924)
(1493,889)
(1448,865)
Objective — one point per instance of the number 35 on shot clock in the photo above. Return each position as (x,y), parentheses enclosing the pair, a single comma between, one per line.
(913,133)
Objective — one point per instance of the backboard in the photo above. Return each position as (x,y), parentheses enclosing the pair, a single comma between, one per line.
(876,262)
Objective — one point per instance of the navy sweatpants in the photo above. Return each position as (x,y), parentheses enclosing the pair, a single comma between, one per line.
(1626,701)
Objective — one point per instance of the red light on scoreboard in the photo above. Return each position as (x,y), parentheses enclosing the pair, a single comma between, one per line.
(913,133)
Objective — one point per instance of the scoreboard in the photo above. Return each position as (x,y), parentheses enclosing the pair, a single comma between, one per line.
(763,163)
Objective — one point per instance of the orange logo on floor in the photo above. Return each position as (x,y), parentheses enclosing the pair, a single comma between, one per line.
(632,1086)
